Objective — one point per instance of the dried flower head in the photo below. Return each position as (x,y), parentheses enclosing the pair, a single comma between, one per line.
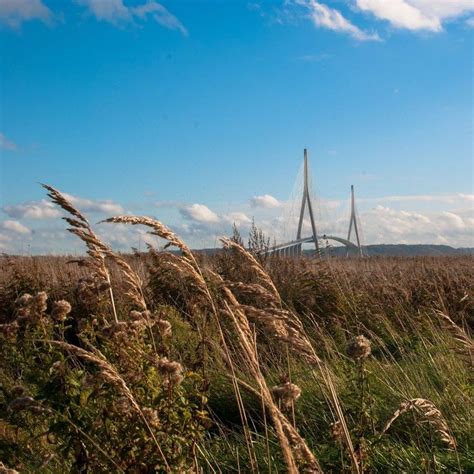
(123,407)
(24,300)
(359,348)
(164,327)
(171,371)
(337,431)
(38,303)
(286,393)
(151,417)
(60,310)
(135,314)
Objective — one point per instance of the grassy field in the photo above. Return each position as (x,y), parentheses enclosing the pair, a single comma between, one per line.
(166,362)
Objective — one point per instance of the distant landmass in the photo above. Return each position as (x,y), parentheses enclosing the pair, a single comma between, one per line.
(390,250)
(404,250)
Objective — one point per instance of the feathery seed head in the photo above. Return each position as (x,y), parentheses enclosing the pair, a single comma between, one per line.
(136,315)
(286,393)
(337,431)
(24,300)
(38,302)
(172,371)
(164,327)
(359,348)
(60,310)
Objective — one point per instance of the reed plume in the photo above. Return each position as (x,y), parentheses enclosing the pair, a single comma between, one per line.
(98,251)
(429,413)
(461,336)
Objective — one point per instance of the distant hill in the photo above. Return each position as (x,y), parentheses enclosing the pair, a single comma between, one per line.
(403,250)
(390,250)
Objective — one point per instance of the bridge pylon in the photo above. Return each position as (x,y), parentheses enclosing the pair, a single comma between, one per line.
(353,225)
(307,200)
(294,247)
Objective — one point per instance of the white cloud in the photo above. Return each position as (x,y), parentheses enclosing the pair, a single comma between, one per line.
(238,218)
(15,226)
(443,9)
(325,17)
(15,12)
(5,143)
(441,198)
(470,22)
(386,225)
(400,14)
(45,209)
(161,15)
(33,210)
(265,201)
(116,12)
(416,14)
(113,11)
(199,213)
(100,206)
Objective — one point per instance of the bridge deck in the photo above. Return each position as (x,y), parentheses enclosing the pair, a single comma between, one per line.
(295,245)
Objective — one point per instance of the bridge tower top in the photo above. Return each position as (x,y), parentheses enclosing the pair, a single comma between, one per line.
(353,223)
(307,200)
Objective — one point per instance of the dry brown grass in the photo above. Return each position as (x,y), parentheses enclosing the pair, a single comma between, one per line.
(286,322)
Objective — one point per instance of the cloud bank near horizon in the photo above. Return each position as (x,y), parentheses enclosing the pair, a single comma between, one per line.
(446,219)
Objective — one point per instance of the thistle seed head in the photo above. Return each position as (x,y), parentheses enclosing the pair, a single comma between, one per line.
(164,327)
(171,371)
(24,300)
(60,310)
(337,432)
(286,393)
(38,302)
(359,348)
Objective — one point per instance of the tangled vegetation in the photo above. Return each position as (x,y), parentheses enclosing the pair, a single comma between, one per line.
(171,361)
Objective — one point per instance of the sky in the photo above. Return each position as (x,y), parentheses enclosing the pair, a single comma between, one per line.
(197,113)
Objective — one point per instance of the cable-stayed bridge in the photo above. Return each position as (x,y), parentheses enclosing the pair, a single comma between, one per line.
(295,247)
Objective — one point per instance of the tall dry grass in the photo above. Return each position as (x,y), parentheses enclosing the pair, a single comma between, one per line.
(176,361)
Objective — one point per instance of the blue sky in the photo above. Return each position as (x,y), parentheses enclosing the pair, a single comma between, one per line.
(197,113)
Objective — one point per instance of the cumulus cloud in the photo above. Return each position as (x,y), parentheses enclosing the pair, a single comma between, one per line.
(99,206)
(5,143)
(116,12)
(329,18)
(47,210)
(237,218)
(15,12)
(32,210)
(265,201)
(416,14)
(414,219)
(412,15)
(441,198)
(15,226)
(400,14)
(199,213)
(386,225)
